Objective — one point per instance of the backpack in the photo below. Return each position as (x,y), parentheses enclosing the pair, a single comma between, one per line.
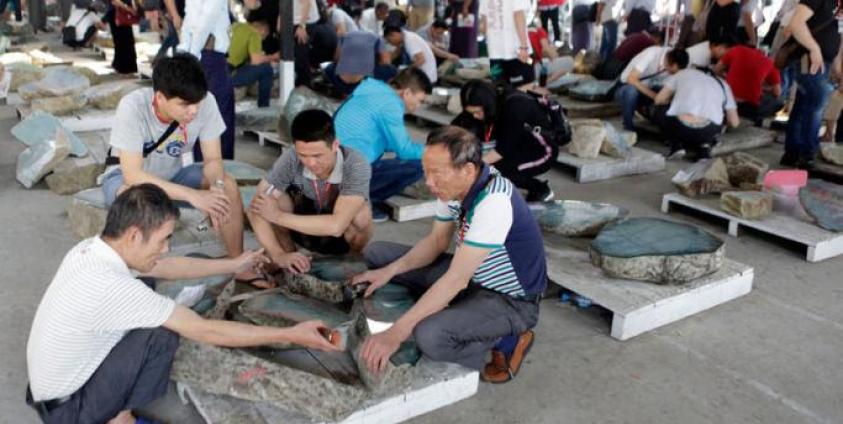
(553,124)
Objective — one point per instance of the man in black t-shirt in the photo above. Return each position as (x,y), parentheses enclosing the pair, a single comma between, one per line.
(814,27)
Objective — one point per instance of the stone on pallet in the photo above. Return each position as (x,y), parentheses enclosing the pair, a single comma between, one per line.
(704,177)
(617,144)
(244,173)
(573,218)
(29,91)
(656,250)
(258,119)
(591,90)
(40,126)
(745,169)
(832,153)
(38,160)
(823,201)
(285,310)
(73,175)
(87,213)
(107,96)
(62,105)
(23,73)
(747,204)
(62,81)
(327,279)
(303,98)
(588,136)
(385,306)
(418,190)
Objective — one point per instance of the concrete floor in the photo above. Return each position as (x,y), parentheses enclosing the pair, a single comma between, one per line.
(773,356)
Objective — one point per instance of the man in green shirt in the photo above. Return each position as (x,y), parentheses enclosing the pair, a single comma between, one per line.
(246,57)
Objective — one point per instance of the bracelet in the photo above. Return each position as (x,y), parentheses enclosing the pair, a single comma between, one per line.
(523,48)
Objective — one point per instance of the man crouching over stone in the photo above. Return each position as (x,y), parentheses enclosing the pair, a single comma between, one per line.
(484,296)
(152,141)
(102,342)
(316,195)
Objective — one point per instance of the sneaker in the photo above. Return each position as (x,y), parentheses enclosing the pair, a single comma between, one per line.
(379,215)
(676,154)
(789,160)
(705,151)
(807,164)
(545,195)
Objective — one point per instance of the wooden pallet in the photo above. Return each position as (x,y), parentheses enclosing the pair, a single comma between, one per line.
(409,209)
(268,136)
(821,244)
(603,167)
(434,386)
(638,307)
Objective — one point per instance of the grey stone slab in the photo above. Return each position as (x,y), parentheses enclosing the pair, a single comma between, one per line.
(258,119)
(706,176)
(284,310)
(62,82)
(639,161)
(582,109)
(574,218)
(303,98)
(592,90)
(38,160)
(656,250)
(244,173)
(41,126)
(744,137)
(747,204)
(23,73)
(824,202)
(72,175)
(61,105)
(107,96)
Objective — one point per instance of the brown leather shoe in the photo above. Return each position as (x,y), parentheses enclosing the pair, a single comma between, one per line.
(501,370)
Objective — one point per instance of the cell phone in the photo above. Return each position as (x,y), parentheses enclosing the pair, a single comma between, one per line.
(332,336)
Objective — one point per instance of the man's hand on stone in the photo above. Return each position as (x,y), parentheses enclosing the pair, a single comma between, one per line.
(250,261)
(307,334)
(377,278)
(267,208)
(294,262)
(378,348)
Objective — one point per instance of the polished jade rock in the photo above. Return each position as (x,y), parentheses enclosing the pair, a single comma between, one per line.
(823,201)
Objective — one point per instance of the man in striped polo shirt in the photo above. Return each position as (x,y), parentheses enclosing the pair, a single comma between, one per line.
(102,341)
(486,294)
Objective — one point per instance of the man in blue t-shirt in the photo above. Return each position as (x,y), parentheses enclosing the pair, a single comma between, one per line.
(371,122)
(484,296)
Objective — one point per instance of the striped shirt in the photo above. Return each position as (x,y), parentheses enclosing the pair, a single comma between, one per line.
(494,216)
(92,302)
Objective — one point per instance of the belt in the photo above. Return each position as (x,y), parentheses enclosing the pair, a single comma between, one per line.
(45,406)
(532,298)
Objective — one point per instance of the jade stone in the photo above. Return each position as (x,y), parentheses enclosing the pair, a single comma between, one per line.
(41,126)
(37,161)
(591,90)
(282,310)
(574,218)
(656,250)
(386,305)
(823,201)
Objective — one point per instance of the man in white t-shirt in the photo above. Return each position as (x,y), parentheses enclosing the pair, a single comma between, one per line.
(419,53)
(102,342)
(640,80)
(343,23)
(84,22)
(505,25)
(371,20)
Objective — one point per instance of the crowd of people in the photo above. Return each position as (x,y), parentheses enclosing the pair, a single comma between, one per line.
(102,341)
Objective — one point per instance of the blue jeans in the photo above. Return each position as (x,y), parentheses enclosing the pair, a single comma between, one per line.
(801,137)
(627,97)
(189,176)
(610,39)
(249,74)
(391,176)
(215,66)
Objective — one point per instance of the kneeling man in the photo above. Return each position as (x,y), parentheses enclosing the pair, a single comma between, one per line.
(486,294)
(102,341)
(316,195)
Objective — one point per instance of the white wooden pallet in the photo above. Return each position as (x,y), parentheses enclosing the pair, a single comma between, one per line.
(434,115)
(408,209)
(434,386)
(638,307)
(270,136)
(821,244)
(603,167)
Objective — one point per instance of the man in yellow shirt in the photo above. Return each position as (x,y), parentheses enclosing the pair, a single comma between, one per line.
(246,57)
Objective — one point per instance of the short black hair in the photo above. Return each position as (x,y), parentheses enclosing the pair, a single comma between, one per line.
(723,40)
(145,206)
(462,145)
(180,76)
(389,29)
(480,93)
(439,23)
(313,125)
(255,17)
(412,78)
(678,57)
(381,6)
(395,17)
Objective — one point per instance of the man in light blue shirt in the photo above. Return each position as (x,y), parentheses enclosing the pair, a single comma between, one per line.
(371,121)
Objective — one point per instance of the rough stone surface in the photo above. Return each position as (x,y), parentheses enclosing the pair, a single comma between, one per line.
(38,160)
(41,126)
(239,374)
(745,169)
(418,190)
(107,96)
(704,177)
(393,378)
(29,91)
(93,77)
(656,250)
(303,98)
(576,219)
(74,174)
(327,279)
(86,213)
(823,201)
(747,204)
(284,310)
(244,173)
(61,105)
(832,153)
(258,119)
(387,305)
(617,144)
(23,73)
(211,287)
(62,81)
(588,136)
(591,90)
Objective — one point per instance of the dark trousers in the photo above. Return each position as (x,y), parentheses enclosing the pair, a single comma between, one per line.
(301,54)
(630,100)
(89,34)
(802,134)
(135,373)
(512,71)
(342,88)
(475,321)
(15,4)
(639,20)
(219,83)
(392,176)
(247,75)
(683,136)
(722,21)
(551,15)
(609,40)
(125,58)
(526,178)
(171,40)
(768,107)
